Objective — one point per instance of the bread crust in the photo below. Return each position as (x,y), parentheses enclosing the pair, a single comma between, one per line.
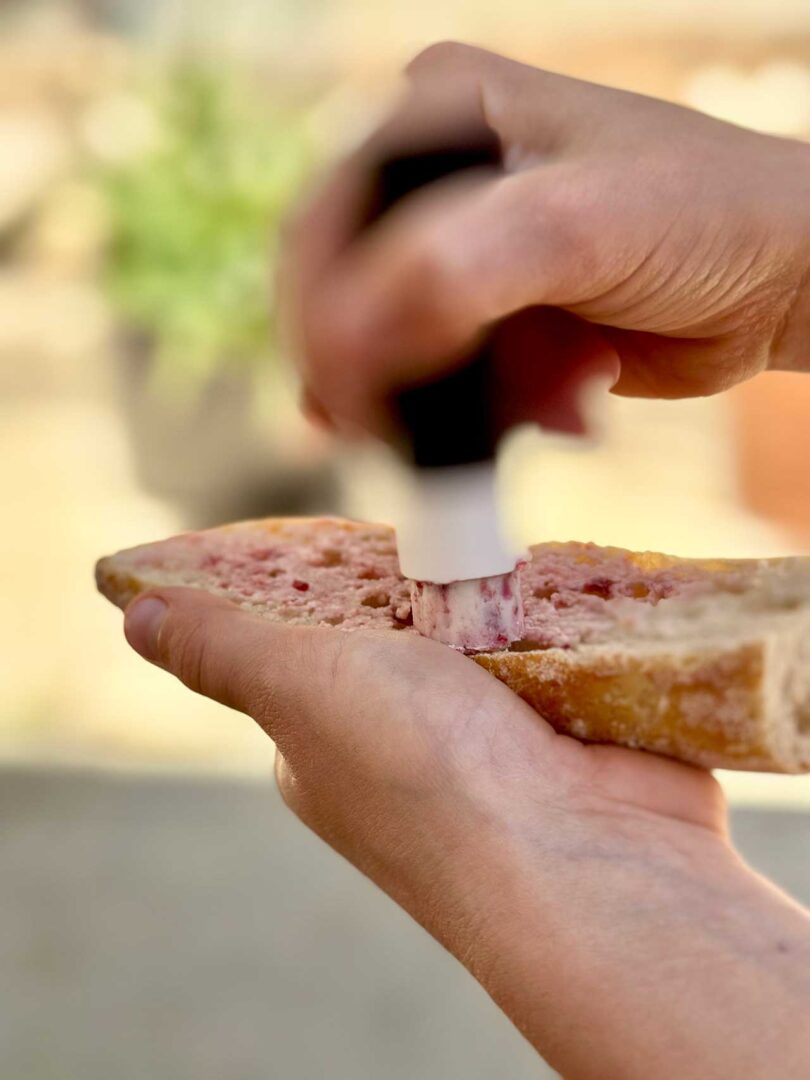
(708,704)
(704,709)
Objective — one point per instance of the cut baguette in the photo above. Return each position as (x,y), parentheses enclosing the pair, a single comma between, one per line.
(707,661)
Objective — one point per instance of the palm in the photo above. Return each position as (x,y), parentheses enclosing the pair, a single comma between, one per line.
(407,715)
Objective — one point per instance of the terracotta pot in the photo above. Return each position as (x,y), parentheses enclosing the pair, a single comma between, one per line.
(773,432)
(213,455)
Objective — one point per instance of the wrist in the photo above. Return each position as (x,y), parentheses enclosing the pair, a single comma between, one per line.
(619,944)
(573,876)
(546,869)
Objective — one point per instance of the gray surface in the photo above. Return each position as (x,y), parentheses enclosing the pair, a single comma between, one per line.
(170,930)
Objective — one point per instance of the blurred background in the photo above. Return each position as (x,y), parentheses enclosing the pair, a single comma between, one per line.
(159,914)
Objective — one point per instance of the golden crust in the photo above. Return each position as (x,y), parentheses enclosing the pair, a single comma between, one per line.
(706,706)
(119,588)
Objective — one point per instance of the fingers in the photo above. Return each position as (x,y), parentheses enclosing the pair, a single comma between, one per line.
(318,238)
(447,61)
(329,221)
(548,363)
(314,238)
(435,274)
(653,366)
(371,312)
(526,106)
(670,788)
(584,218)
(267,670)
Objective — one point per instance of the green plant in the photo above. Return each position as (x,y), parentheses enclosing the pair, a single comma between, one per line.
(194,225)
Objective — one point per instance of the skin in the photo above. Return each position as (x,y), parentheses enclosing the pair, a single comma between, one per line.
(592,891)
(629,238)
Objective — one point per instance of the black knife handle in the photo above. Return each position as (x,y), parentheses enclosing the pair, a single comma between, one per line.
(448,421)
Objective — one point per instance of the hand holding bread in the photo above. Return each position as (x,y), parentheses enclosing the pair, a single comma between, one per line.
(592,890)
(629,239)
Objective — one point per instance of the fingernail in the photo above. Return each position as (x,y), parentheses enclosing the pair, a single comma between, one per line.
(142,625)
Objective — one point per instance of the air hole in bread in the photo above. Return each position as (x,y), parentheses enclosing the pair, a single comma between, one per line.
(545,592)
(369,574)
(639,591)
(333,620)
(275,572)
(262,554)
(600,586)
(376,600)
(328,557)
(789,603)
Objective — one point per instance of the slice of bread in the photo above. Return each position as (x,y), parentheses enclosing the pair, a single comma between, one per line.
(703,660)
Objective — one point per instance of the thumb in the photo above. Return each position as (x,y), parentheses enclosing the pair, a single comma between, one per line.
(235,657)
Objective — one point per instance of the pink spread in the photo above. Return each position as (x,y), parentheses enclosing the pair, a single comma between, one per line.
(566,589)
(475,616)
(337,576)
(348,577)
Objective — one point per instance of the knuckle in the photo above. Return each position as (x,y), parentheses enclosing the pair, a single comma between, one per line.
(424,273)
(575,260)
(334,332)
(439,56)
(298,796)
(265,703)
(571,218)
(286,783)
(185,651)
(430,289)
(288,704)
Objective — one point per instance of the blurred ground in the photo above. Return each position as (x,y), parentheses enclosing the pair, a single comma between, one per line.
(180,930)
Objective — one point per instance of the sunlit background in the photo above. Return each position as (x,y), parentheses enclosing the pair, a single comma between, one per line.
(148,152)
